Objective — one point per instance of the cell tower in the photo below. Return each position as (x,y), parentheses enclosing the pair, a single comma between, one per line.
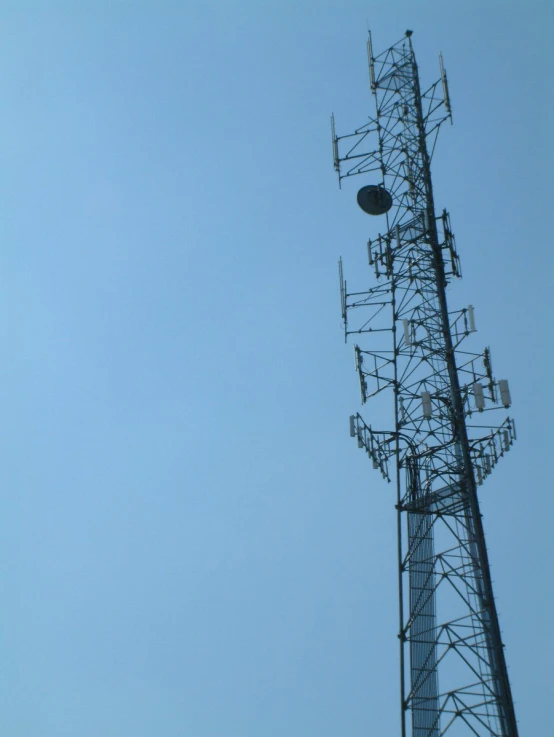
(453,675)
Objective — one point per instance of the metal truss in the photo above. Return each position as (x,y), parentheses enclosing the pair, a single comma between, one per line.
(453,673)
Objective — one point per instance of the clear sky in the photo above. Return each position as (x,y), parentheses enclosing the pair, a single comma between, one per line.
(190,543)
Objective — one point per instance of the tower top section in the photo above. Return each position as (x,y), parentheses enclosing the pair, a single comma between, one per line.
(389,147)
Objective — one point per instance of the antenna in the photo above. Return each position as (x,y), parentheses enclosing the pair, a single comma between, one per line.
(445,88)
(370,62)
(453,673)
(335,146)
(374,200)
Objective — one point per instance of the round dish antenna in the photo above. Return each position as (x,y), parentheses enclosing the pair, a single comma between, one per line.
(374,199)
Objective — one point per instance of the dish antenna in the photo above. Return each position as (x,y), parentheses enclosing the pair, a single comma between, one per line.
(374,199)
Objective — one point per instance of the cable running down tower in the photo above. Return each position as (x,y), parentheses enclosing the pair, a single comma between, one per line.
(453,677)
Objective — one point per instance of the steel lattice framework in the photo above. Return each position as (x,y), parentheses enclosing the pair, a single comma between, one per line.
(453,671)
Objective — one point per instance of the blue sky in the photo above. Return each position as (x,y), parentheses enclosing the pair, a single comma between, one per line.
(191,544)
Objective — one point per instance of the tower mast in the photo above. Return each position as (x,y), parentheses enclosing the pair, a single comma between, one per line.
(453,671)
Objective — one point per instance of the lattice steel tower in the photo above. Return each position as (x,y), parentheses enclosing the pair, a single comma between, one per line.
(453,671)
